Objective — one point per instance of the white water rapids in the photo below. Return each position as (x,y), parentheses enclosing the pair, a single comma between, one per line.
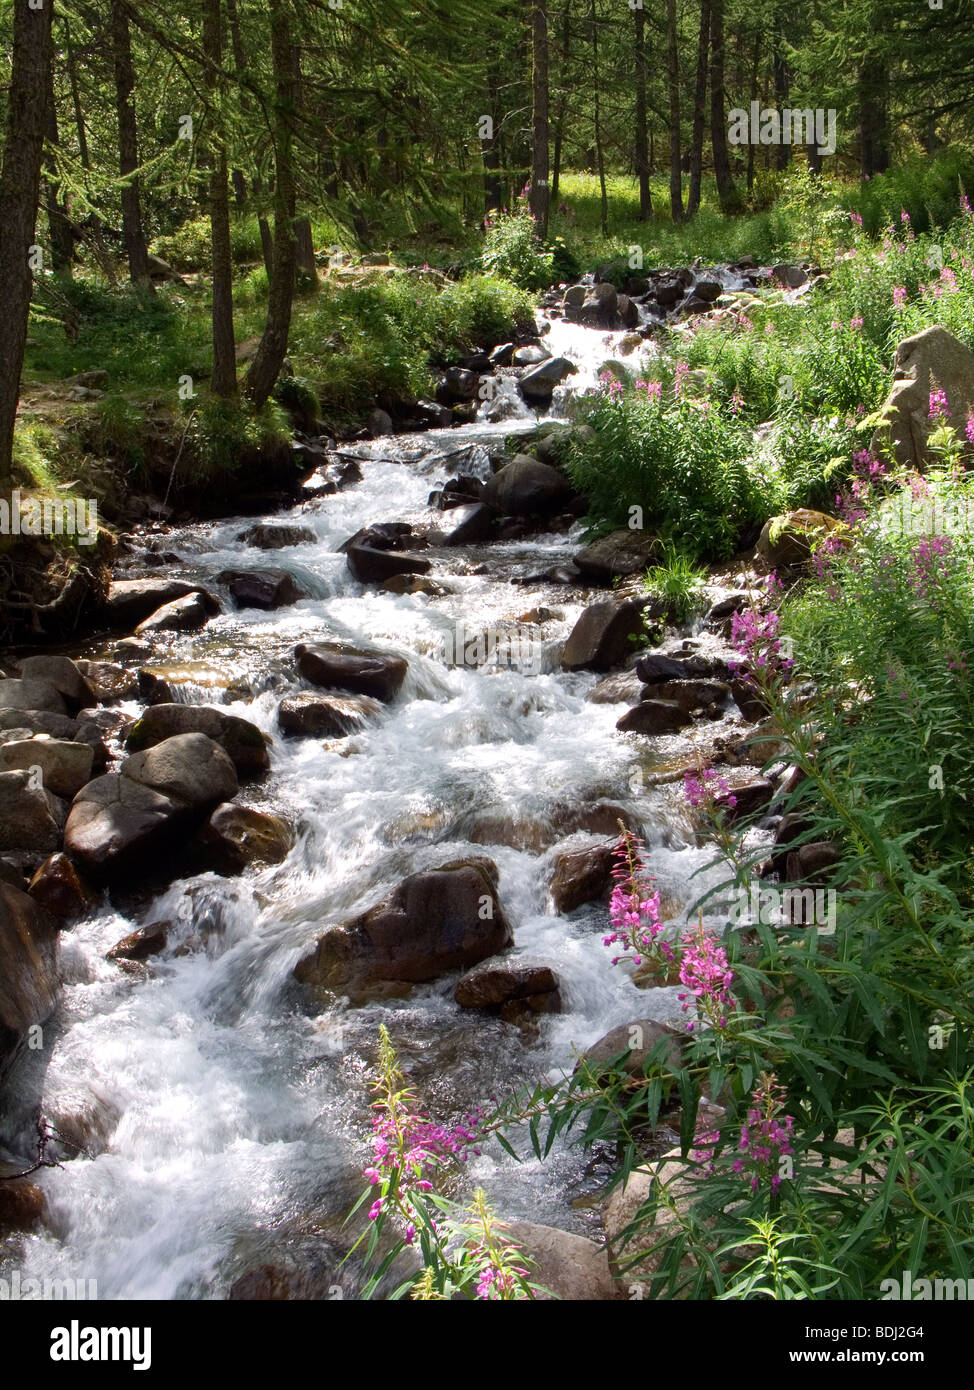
(242,1110)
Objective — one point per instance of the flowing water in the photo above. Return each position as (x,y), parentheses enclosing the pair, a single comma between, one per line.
(241,1107)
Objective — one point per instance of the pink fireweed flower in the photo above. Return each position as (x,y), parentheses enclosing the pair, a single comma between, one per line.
(708,789)
(765,1137)
(680,379)
(939,408)
(931,566)
(969,429)
(899,296)
(706,977)
(856,322)
(634,908)
(755,636)
(736,403)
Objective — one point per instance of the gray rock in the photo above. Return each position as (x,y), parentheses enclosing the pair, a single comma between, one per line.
(190,768)
(265,588)
(654,717)
(64,766)
(182,615)
(29,971)
(327,716)
(527,487)
(30,817)
(31,695)
(604,635)
(276,537)
(63,674)
(361,673)
(242,741)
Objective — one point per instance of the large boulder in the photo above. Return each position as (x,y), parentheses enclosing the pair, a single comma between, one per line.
(654,717)
(362,673)
(433,922)
(635,1042)
(242,741)
(30,817)
(582,876)
(616,556)
(131,600)
(604,635)
(64,767)
(32,694)
(63,674)
(527,487)
(929,361)
(186,614)
(368,564)
(786,541)
(265,588)
(473,525)
(327,716)
(29,971)
(539,383)
(569,1267)
(189,768)
(117,825)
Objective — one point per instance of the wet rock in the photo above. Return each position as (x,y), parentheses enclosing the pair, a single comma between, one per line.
(428,415)
(527,487)
(12,871)
(23,1206)
(242,741)
(474,524)
(30,980)
(63,674)
(379,423)
(267,589)
(569,1267)
(582,876)
(613,690)
(750,699)
(529,355)
(708,289)
(237,837)
(433,922)
(749,797)
(32,695)
(117,825)
(374,674)
(63,766)
(190,768)
(490,985)
(326,716)
(414,584)
(692,694)
(654,717)
(153,688)
(85,1119)
(21,723)
(726,608)
(182,615)
(30,817)
(539,383)
(140,945)
(616,556)
(656,668)
(812,862)
(457,385)
(266,536)
(58,888)
(603,636)
(787,540)
(132,600)
(110,681)
(370,565)
(637,1040)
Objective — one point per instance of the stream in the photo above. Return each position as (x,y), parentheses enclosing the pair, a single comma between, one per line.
(241,1108)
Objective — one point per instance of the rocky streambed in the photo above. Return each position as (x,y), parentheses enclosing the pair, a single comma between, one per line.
(360,762)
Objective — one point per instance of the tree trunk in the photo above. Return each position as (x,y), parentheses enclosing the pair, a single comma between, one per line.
(699,110)
(726,188)
(641,148)
(873,117)
(782,84)
(58,220)
(224,379)
(597,123)
(566,37)
(490,146)
(304,249)
(538,200)
(272,350)
(133,234)
(239,63)
(755,73)
(20,179)
(673,82)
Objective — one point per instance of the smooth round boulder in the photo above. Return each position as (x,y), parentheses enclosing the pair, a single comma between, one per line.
(190,768)
(61,766)
(605,634)
(242,741)
(361,673)
(527,487)
(326,716)
(237,837)
(266,589)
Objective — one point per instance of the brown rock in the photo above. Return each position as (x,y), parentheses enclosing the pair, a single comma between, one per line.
(582,876)
(140,945)
(328,716)
(654,717)
(235,837)
(57,887)
(30,979)
(362,673)
(604,635)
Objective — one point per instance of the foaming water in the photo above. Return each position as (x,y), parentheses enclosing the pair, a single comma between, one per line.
(241,1109)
